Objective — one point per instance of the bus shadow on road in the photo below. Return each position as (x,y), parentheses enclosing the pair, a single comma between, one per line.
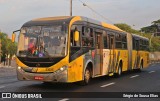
(107,78)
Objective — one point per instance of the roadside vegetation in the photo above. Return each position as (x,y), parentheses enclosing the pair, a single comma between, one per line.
(8,49)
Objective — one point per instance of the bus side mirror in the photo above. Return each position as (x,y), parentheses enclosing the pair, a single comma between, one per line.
(76,36)
(13,37)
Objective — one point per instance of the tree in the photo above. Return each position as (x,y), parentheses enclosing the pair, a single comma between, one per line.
(11,49)
(156,22)
(151,29)
(3,38)
(8,48)
(126,28)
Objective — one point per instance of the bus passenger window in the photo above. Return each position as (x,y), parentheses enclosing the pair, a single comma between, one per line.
(87,37)
(124,42)
(137,44)
(71,38)
(83,30)
(105,42)
(87,42)
(118,40)
(91,32)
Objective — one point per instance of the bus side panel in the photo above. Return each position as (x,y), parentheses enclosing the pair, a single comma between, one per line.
(146,62)
(124,57)
(106,57)
(75,70)
(145,56)
(138,56)
(121,55)
(142,55)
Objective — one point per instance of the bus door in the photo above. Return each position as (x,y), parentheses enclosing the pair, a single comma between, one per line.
(112,53)
(98,54)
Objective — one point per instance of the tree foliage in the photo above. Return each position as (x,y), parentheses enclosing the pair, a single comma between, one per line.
(126,28)
(8,48)
(156,22)
(151,29)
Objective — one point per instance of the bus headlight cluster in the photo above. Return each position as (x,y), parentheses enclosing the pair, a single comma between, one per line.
(61,69)
(19,67)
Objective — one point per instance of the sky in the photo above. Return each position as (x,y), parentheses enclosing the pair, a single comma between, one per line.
(136,13)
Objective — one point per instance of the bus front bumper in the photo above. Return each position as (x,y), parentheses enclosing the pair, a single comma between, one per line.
(58,76)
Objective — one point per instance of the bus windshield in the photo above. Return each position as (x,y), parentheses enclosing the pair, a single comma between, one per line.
(42,41)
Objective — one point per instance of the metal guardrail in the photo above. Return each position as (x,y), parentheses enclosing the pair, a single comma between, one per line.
(154,57)
(154,61)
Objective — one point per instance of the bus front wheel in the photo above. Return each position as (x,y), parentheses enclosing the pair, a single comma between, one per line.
(87,77)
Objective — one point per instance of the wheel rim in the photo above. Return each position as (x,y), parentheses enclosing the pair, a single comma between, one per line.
(119,71)
(141,67)
(87,76)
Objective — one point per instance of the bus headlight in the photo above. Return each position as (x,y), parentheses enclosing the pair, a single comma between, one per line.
(19,67)
(63,68)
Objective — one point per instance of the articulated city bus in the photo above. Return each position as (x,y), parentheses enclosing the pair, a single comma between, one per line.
(72,49)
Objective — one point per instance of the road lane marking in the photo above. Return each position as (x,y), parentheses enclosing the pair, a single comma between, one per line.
(153,65)
(65,99)
(134,76)
(151,72)
(108,84)
(2,87)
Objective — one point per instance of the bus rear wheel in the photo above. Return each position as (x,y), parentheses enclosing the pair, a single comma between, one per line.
(118,74)
(141,66)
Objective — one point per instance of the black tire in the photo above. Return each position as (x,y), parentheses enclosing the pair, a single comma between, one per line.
(141,66)
(119,73)
(87,77)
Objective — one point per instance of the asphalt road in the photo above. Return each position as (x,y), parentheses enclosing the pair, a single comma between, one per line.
(146,81)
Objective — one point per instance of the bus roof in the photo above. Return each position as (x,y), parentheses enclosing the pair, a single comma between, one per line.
(48,21)
(52,18)
(138,36)
(67,19)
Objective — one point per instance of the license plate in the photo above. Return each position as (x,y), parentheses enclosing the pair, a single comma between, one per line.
(38,78)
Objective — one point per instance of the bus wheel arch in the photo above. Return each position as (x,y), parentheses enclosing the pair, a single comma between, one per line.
(90,66)
(87,75)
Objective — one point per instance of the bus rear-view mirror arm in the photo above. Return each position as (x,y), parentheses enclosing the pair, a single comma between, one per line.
(14,35)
